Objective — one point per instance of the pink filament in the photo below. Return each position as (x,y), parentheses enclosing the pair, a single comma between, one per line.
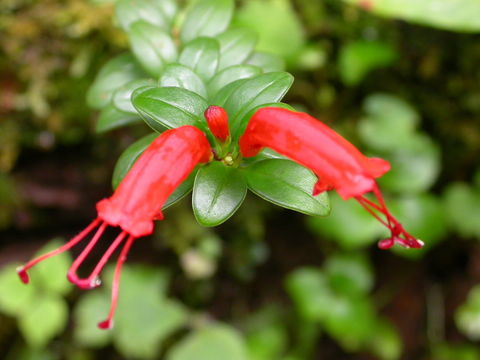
(398,233)
(108,323)
(22,271)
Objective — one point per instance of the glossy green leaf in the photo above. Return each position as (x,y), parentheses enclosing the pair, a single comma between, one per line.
(455,15)
(152,46)
(170,107)
(261,89)
(229,75)
(202,55)
(224,93)
(358,58)
(15,297)
(159,13)
(177,75)
(218,192)
(115,73)
(287,184)
(236,45)
(209,343)
(43,321)
(122,98)
(111,118)
(280,30)
(128,158)
(207,18)
(266,61)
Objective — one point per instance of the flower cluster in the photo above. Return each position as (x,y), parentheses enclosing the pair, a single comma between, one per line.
(173,155)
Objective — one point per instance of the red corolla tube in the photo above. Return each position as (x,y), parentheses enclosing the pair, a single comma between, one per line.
(135,204)
(337,163)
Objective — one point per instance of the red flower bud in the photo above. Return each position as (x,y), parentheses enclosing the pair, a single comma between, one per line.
(337,163)
(217,120)
(136,203)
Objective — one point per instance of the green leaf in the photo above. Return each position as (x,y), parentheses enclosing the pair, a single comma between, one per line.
(259,90)
(50,274)
(385,342)
(202,56)
(131,154)
(266,61)
(115,73)
(236,45)
(89,311)
(349,274)
(209,343)
(176,75)
(111,118)
(122,98)
(462,204)
(170,107)
(455,15)
(277,23)
(42,322)
(218,192)
(230,74)
(287,184)
(358,58)
(159,13)
(16,298)
(152,46)
(310,292)
(207,18)
(224,93)
(467,315)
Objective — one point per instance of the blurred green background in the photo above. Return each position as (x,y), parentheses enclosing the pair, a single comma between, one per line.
(400,79)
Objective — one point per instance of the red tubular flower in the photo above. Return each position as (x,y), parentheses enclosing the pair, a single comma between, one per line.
(217,120)
(136,203)
(337,163)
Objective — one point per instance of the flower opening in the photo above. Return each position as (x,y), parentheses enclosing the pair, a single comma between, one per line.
(338,164)
(134,206)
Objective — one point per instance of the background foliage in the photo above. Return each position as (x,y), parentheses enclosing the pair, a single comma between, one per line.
(399,81)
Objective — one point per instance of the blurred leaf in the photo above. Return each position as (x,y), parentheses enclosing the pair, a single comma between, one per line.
(152,46)
(122,97)
(456,352)
(218,192)
(287,184)
(349,274)
(50,274)
(207,18)
(279,28)
(358,58)
(210,343)
(385,342)
(111,118)
(455,15)
(42,322)
(15,297)
(259,90)
(236,45)
(92,308)
(177,75)
(230,74)
(348,224)
(467,316)
(202,55)
(170,107)
(159,13)
(9,198)
(310,292)
(266,61)
(115,73)
(389,124)
(415,167)
(463,206)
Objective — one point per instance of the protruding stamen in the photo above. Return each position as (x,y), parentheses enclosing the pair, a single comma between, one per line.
(108,323)
(72,272)
(93,279)
(22,270)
